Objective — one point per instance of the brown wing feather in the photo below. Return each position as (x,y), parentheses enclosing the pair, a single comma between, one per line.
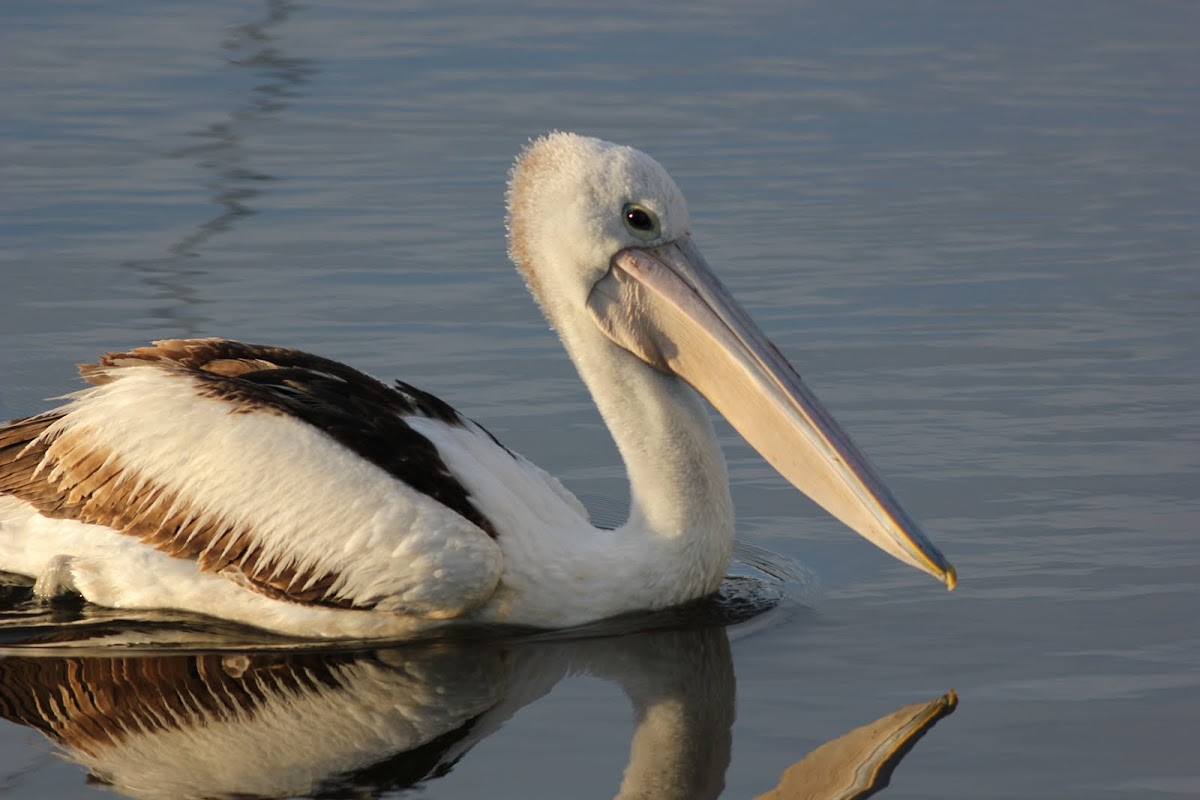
(64,478)
(65,475)
(20,455)
(225,357)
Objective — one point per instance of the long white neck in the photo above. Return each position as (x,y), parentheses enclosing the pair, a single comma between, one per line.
(681,518)
(566,201)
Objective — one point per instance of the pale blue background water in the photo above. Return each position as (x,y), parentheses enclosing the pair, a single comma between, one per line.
(972,226)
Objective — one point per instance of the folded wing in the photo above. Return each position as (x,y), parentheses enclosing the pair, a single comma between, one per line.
(290,474)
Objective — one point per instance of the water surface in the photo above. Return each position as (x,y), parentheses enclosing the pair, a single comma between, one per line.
(972,227)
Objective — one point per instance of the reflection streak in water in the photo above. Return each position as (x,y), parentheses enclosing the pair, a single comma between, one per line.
(220,152)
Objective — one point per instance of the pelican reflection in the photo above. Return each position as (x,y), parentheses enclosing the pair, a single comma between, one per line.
(286,724)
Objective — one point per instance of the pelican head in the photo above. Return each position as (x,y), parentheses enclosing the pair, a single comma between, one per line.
(602,236)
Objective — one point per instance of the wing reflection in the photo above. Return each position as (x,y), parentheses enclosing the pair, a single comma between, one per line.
(366,723)
(251,725)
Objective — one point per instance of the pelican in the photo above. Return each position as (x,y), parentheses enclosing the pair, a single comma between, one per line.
(289,492)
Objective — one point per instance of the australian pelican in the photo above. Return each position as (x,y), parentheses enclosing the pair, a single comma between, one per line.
(293,493)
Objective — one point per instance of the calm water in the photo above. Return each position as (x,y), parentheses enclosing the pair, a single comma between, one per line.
(972,227)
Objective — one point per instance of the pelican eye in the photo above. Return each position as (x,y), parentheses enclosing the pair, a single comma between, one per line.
(640,220)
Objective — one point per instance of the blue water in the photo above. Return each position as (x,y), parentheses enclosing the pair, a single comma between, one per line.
(972,227)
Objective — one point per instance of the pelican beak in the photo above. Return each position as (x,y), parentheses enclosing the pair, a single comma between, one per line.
(664,305)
